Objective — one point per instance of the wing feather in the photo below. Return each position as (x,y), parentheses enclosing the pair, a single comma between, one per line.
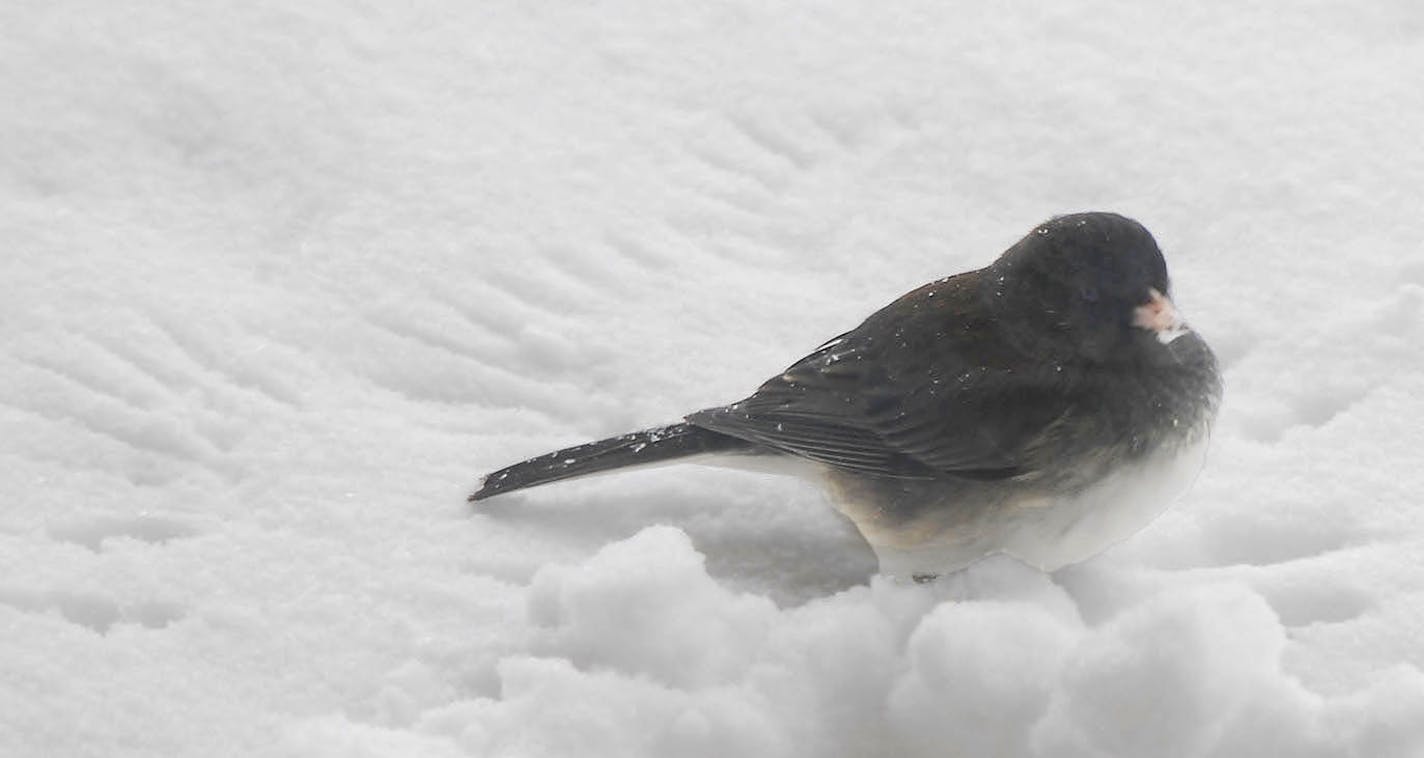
(923,389)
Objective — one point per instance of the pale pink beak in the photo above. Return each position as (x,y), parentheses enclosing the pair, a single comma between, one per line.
(1160,316)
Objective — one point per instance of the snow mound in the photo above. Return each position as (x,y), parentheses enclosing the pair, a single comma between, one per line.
(638,651)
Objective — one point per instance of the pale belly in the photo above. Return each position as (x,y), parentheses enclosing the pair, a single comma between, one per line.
(942,528)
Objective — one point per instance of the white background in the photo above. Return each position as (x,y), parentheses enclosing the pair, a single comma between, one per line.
(279,281)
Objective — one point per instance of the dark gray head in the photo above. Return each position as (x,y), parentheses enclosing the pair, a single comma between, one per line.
(1086,286)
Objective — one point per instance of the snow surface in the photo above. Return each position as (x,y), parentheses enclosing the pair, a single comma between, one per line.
(278,281)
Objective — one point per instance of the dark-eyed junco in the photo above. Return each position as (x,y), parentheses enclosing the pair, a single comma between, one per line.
(1047,406)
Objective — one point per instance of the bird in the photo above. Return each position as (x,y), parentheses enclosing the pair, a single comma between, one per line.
(1046,406)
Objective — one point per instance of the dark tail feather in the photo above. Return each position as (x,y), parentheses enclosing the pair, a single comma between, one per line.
(632,449)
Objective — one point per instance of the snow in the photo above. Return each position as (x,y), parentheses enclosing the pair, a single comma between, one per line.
(278,282)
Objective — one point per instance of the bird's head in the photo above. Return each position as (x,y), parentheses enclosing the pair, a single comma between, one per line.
(1086,286)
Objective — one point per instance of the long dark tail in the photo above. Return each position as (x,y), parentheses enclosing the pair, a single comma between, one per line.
(632,449)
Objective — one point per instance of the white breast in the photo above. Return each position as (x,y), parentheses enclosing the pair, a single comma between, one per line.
(1046,531)
(1076,528)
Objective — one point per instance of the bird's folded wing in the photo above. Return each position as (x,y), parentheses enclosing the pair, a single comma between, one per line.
(909,415)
